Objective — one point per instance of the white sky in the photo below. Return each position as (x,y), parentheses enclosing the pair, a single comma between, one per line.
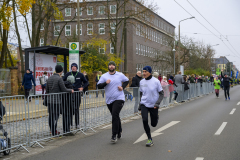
(222,14)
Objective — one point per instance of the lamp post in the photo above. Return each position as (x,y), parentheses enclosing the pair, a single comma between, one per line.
(174,51)
(179,27)
(78,31)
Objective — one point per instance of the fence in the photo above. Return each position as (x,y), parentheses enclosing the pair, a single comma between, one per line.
(5,82)
(27,121)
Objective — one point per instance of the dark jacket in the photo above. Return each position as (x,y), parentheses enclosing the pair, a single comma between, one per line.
(211,79)
(185,86)
(55,84)
(86,88)
(226,81)
(27,81)
(136,81)
(192,80)
(80,80)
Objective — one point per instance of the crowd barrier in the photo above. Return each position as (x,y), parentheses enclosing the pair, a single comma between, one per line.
(28,122)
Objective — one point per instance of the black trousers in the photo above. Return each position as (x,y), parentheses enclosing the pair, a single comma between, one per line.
(226,91)
(77,102)
(154,119)
(54,112)
(27,93)
(115,109)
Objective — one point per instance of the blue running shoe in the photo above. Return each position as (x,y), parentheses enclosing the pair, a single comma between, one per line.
(229,98)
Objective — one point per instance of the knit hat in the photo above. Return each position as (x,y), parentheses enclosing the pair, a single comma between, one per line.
(112,63)
(171,77)
(74,65)
(148,68)
(58,68)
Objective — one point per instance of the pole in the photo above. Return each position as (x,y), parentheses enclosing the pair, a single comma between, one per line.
(179,33)
(174,60)
(78,21)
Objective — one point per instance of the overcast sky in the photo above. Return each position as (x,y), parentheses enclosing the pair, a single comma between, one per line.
(222,14)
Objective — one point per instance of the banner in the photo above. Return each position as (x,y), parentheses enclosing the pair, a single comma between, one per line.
(237,75)
(73,54)
(43,63)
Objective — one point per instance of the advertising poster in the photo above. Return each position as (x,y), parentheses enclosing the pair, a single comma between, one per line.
(43,63)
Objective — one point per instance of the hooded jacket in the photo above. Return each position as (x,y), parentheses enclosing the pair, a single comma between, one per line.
(27,81)
(136,81)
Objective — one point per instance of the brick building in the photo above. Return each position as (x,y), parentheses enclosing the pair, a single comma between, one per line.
(147,32)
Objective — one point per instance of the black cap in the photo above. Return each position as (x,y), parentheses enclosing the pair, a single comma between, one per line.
(58,68)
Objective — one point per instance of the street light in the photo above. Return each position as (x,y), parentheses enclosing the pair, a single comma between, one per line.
(179,27)
(174,51)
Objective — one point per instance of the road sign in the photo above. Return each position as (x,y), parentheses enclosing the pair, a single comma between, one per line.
(74,54)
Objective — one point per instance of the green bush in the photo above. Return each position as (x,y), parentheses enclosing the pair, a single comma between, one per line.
(198,71)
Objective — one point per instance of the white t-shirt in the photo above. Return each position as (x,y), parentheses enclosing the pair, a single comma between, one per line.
(111,89)
(150,91)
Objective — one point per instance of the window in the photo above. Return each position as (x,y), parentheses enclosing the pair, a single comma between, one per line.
(113,28)
(89,29)
(111,48)
(139,49)
(79,29)
(56,30)
(80,11)
(67,30)
(161,39)
(102,48)
(42,26)
(136,48)
(67,12)
(41,42)
(144,50)
(101,10)
(101,28)
(90,10)
(112,9)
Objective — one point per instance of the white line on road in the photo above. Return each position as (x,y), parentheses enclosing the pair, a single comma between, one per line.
(219,131)
(238,103)
(199,158)
(234,109)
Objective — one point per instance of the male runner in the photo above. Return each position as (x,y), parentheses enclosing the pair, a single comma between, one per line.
(114,83)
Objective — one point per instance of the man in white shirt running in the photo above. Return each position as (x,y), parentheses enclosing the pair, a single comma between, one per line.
(114,83)
(151,94)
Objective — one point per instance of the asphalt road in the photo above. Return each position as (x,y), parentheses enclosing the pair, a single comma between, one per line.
(197,130)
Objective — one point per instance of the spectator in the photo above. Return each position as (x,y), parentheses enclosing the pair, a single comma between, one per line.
(96,80)
(155,74)
(136,83)
(192,79)
(79,85)
(171,81)
(211,78)
(165,87)
(86,76)
(179,78)
(55,85)
(27,83)
(203,78)
(43,81)
(160,78)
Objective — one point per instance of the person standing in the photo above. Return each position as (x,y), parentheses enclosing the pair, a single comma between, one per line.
(43,81)
(27,83)
(160,78)
(114,83)
(226,85)
(151,96)
(217,84)
(165,87)
(96,80)
(136,83)
(86,77)
(79,85)
(54,102)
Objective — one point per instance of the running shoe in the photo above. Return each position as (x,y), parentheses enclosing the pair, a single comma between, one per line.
(119,135)
(149,143)
(229,98)
(114,139)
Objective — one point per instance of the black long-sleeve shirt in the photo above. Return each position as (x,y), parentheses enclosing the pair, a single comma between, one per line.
(226,81)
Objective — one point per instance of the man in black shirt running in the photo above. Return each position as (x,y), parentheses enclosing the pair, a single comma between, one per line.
(226,85)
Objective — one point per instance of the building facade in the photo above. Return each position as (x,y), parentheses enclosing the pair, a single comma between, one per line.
(147,33)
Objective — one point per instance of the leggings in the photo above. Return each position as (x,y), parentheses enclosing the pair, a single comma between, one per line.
(27,93)
(226,91)
(217,92)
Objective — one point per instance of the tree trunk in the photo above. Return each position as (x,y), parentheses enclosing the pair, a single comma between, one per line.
(4,47)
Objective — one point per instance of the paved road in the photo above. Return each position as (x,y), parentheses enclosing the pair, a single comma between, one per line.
(197,130)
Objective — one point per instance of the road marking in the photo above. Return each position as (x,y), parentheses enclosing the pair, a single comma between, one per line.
(157,132)
(106,126)
(238,103)
(199,158)
(234,109)
(219,131)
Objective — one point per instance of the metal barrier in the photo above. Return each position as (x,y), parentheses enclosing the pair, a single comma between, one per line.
(42,117)
(5,82)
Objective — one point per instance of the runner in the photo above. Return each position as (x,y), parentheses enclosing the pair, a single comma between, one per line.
(151,94)
(114,83)
(217,84)
(226,85)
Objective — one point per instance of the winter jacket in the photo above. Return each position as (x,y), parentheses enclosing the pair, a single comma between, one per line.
(55,84)
(164,85)
(160,78)
(27,81)
(136,83)
(80,80)
(192,80)
(217,84)
(178,79)
(226,80)
(211,79)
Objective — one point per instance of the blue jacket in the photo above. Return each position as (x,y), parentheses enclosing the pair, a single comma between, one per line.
(80,80)
(27,81)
